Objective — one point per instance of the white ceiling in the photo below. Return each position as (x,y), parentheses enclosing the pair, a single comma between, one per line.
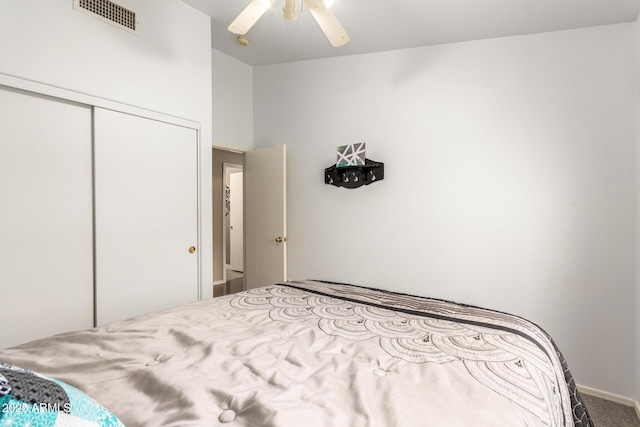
(379,25)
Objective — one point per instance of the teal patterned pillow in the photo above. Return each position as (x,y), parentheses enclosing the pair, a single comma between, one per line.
(30,399)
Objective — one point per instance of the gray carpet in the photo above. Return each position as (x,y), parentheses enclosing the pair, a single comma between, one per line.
(605,413)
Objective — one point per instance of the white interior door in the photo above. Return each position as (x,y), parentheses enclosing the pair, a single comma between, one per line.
(46,218)
(265,216)
(146,215)
(236,229)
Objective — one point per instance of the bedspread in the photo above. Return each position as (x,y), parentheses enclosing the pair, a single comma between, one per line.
(311,353)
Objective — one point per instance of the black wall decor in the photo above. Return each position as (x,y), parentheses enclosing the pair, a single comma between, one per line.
(354,176)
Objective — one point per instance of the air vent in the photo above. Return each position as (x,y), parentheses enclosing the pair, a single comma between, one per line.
(110,12)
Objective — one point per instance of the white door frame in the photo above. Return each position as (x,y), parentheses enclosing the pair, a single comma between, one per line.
(225,167)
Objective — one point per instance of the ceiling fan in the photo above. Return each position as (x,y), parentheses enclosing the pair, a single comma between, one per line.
(320,9)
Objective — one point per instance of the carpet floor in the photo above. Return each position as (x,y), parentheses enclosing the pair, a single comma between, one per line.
(605,413)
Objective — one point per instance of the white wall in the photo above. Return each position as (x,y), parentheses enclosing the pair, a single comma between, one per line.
(232,102)
(166,69)
(232,83)
(509,180)
(637,235)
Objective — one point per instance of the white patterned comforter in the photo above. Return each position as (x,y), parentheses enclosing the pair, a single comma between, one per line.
(313,353)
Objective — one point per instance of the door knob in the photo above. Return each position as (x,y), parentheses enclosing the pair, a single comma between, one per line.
(192,249)
(281,239)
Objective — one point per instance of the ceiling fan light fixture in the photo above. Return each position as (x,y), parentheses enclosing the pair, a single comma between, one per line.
(290,10)
(319,9)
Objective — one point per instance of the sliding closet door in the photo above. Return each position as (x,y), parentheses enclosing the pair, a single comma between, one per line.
(46,228)
(146,184)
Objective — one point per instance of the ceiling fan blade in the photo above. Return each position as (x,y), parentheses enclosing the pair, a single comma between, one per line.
(249,16)
(328,22)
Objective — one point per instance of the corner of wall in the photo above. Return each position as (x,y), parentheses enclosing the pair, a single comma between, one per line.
(637,207)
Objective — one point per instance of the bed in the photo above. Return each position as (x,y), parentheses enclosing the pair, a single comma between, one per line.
(312,353)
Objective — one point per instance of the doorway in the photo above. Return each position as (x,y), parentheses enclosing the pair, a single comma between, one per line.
(264,218)
(233,228)
(228,251)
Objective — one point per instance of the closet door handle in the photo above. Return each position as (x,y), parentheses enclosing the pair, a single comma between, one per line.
(281,239)
(192,249)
